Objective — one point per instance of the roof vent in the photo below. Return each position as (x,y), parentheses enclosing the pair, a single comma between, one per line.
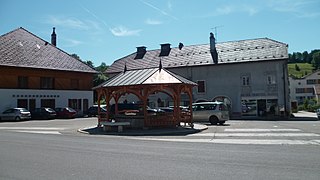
(180,46)
(165,49)
(141,51)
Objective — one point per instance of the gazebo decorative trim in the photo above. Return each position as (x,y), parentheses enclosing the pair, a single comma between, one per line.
(142,83)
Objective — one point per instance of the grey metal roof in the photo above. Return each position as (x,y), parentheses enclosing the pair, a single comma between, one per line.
(20,48)
(144,76)
(195,55)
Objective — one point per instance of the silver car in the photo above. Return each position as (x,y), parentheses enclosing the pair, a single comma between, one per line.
(16,114)
(214,112)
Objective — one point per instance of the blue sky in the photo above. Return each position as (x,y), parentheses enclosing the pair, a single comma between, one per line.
(104,31)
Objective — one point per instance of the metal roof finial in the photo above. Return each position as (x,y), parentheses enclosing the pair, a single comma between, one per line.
(160,65)
(125,67)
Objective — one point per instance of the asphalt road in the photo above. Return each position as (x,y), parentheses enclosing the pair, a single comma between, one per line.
(70,155)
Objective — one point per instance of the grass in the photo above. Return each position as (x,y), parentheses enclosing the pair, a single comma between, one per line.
(305,69)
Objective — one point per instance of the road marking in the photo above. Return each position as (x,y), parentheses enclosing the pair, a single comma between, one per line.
(239,141)
(254,134)
(261,130)
(40,132)
(31,128)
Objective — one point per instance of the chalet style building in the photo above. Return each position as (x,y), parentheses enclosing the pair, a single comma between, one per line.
(250,76)
(35,73)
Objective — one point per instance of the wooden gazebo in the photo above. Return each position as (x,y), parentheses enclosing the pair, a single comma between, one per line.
(142,83)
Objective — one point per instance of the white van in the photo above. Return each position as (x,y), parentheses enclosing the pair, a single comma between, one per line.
(214,112)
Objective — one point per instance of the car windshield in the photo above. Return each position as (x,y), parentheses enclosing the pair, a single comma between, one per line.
(70,109)
(24,110)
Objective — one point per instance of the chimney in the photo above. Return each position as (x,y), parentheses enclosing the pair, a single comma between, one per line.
(141,51)
(165,49)
(54,37)
(213,50)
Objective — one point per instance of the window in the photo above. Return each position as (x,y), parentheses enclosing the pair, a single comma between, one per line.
(47,83)
(201,87)
(23,82)
(245,80)
(311,81)
(49,103)
(271,79)
(74,83)
(22,103)
(304,90)
(75,104)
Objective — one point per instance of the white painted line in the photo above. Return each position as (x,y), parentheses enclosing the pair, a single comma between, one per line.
(253,134)
(262,130)
(40,132)
(239,141)
(31,128)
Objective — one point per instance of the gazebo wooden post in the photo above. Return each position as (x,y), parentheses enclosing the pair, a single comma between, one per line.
(189,91)
(178,116)
(99,91)
(107,99)
(145,92)
(116,99)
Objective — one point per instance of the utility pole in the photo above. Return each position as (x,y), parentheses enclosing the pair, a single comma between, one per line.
(216,31)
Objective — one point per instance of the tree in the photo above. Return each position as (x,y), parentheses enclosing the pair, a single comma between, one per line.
(76,56)
(316,60)
(305,56)
(89,63)
(297,67)
(102,68)
(101,77)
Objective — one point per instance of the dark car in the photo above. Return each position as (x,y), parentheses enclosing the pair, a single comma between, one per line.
(16,114)
(65,112)
(43,113)
(93,110)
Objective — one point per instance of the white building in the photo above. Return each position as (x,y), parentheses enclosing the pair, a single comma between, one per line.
(249,75)
(35,73)
(307,87)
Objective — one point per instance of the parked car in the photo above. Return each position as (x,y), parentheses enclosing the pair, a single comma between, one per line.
(214,112)
(93,110)
(165,109)
(65,112)
(318,113)
(16,114)
(43,113)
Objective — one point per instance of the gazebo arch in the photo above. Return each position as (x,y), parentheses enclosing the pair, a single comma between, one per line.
(142,83)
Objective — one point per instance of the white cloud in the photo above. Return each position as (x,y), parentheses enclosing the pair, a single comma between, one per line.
(123,31)
(153,22)
(73,23)
(250,9)
(71,42)
(169,4)
(160,10)
(68,22)
(300,8)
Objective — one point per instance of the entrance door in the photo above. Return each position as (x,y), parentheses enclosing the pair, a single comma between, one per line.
(262,107)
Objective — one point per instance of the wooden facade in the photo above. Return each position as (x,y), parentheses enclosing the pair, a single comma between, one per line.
(62,80)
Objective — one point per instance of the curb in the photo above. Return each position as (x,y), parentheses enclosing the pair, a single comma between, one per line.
(152,132)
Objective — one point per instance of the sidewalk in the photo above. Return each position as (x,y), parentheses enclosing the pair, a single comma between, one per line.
(181,130)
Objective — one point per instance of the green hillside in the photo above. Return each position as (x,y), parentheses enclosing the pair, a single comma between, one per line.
(304,69)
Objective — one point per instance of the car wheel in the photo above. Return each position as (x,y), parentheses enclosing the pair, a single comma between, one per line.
(17,118)
(213,120)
